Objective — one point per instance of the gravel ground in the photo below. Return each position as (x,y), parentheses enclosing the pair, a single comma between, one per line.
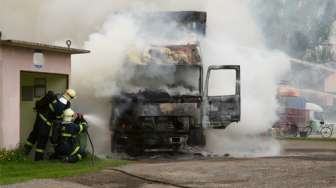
(261,172)
(302,164)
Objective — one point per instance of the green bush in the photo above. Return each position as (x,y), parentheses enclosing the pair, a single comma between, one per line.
(12,155)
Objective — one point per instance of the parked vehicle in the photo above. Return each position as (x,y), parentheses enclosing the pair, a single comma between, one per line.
(297,116)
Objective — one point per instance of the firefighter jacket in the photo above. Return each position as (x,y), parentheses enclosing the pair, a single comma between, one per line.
(51,107)
(72,130)
(58,106)
(68,145)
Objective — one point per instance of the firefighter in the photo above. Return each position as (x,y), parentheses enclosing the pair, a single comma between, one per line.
(49,109)
(68,145)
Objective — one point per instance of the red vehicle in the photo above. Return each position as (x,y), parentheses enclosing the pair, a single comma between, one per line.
(293,115)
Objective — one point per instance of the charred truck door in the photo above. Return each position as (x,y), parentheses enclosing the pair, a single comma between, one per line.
(222,96)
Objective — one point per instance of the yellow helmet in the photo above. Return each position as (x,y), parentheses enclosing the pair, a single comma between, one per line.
(68,115)
(70,94)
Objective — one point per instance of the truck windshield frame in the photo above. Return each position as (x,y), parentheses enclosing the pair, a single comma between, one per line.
(185,74)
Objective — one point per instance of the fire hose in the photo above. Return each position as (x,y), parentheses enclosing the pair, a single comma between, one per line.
(152,180)
(92,147)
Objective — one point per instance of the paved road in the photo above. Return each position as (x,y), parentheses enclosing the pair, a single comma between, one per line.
(302,164)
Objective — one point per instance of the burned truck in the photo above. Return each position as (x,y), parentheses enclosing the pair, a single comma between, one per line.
(165,105)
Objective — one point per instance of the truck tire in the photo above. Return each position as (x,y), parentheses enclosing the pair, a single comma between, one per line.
(196,138)
(176,147)
(134,150)
(134,146)
(115,147)
(303,134)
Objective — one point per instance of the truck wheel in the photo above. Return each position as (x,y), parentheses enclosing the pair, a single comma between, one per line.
(326,132)
(117,144)
(196,138)
(114,138)
(134,150)
(176,148)
(303,134)
(134,147)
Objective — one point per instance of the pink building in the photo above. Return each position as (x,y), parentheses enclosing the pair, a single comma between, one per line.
(27,71)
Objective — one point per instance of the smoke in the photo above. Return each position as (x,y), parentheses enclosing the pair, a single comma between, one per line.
(110,29)
(232,142)
(295,26)
(228,41)
(93,75)
(332,39)
(305,29)
(57,20)
(239,41)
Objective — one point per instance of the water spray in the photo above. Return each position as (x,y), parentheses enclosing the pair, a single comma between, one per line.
(91,143)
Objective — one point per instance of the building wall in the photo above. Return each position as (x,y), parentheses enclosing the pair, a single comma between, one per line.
(330,86)
(17,59)
(330,83)
(1,99)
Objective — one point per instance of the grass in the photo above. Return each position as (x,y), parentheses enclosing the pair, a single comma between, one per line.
(308,139)
(18,171)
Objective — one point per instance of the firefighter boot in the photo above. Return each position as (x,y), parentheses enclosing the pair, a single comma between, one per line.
(39,155)
(27,148)
(70,159)
(54,156)
(74,158)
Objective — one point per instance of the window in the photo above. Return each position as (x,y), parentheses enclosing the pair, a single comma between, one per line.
(27,93)
(40,87)
(222,82)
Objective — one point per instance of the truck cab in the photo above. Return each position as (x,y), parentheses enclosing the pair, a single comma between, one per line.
(165,103)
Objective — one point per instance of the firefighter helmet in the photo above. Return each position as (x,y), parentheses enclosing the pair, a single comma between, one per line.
(68,115)
(70,94)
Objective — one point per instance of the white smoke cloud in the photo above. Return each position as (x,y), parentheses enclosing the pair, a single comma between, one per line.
(228,41)
(232,38)
(332,38)
(108,47)
(55,20)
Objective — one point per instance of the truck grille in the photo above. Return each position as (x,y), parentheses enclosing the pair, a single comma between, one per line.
(167,123)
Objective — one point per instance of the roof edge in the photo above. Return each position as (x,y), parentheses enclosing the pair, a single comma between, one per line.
(42,47)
